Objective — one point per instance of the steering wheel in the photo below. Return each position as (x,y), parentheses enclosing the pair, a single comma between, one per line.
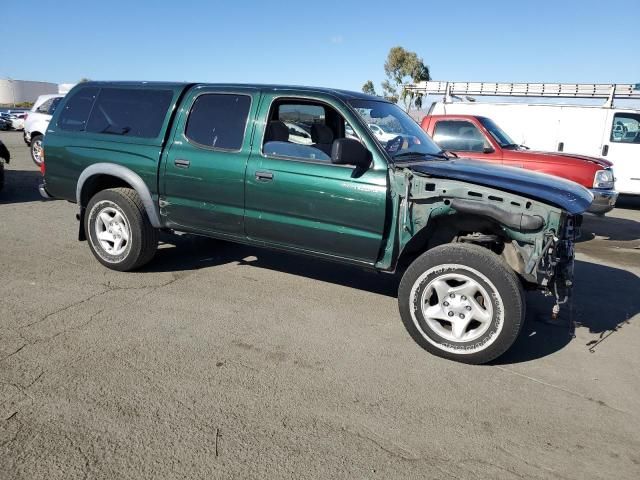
(394,145)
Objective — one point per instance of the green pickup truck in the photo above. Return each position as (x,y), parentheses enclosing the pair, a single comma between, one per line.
(299,169)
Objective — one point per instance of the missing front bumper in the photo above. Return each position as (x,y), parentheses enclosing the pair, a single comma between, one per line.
(556,265)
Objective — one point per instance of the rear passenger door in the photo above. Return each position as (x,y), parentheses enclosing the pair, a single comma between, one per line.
(202,186)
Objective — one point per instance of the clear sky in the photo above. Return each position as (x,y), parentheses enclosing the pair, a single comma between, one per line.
(325,43)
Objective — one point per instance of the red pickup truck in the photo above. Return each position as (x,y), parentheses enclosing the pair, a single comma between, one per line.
(481,139)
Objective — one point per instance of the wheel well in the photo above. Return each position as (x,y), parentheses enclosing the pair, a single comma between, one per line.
(91,186)
(33,134)
(97,183)
(448,229)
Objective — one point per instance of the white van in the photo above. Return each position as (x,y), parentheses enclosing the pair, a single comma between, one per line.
(595,130)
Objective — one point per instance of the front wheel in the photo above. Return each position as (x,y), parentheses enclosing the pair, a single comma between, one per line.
(36,149)
(462,302)
(118,230)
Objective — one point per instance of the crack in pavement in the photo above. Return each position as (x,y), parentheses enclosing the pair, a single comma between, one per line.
(65,308)
(13,353)
(14,438)
(84,456)
(108,288)
(562,389)
(530,464)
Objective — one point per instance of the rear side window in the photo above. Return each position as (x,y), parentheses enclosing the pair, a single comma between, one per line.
(218,120)
(129,112)
(76,110)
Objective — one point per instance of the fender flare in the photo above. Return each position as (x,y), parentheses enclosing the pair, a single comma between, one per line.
(126,175)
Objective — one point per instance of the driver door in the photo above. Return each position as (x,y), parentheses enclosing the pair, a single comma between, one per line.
(295,196)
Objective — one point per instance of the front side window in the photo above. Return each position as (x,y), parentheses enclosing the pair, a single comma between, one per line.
(497,133)
(626,128)
(458,136)
(129,112)
(396,131)
(76,110)
(303,130)
(218,120)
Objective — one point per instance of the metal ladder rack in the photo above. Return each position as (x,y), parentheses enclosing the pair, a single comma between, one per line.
(608,91)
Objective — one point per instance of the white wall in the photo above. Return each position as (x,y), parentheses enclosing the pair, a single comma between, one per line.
(16,91)
(63,88)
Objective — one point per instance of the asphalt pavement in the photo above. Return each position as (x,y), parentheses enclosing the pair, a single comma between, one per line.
(227,361)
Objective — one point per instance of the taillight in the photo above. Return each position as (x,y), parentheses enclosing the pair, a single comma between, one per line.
(42,167)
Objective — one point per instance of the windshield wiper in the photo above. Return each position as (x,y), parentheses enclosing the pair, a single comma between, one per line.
(514,146)
(440,154)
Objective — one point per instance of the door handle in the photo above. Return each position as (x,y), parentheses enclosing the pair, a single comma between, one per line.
(605,150)
(181,163)
(263,176)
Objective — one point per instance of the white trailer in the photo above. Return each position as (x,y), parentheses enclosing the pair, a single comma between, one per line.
(595,130)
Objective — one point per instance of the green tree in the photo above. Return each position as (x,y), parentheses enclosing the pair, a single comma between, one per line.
(84,79)
(369,88)
(401,67)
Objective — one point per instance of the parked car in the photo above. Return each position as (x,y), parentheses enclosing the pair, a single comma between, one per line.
(481,138)
(218,160)
(13,118)
(298,134)
(607,131)
(5,157)
(5,123)
(381,134)
(17,120)
(36,123)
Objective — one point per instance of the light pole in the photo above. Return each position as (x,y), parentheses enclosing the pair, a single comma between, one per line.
(13,91)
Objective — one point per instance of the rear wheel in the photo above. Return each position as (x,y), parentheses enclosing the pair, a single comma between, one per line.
(36,149)
(462,302)
(118,229)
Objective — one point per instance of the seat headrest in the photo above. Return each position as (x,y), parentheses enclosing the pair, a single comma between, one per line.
(277,131)
(321,133)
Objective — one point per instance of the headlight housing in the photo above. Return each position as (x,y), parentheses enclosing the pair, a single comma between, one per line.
(604,179)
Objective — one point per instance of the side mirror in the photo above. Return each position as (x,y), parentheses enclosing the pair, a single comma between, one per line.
(488,150)
(347,151)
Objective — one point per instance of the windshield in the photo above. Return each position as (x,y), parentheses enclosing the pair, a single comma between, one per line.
(397,132)
(497,133)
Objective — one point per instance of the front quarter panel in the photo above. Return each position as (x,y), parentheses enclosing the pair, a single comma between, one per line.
(419,202)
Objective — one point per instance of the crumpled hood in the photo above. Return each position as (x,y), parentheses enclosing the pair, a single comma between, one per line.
(557,191)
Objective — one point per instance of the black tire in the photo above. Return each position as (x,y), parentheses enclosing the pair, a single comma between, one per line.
(1,175)
(36,142)
(496,309)
(142,242)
